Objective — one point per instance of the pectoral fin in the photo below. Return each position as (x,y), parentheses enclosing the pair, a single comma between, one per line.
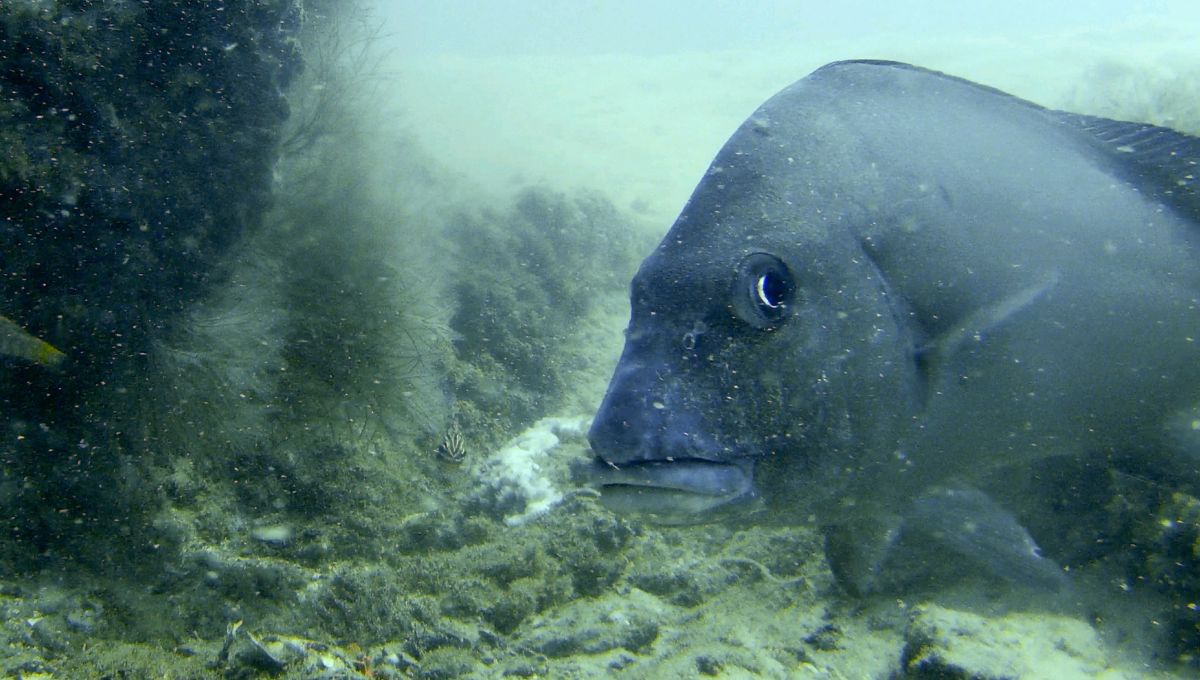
(944,532)
(976,326)
(858,550)
(973,526)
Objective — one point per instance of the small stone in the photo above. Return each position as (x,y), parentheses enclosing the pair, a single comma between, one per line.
(277,535)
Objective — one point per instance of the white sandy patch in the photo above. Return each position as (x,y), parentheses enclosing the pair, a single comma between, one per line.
(525,470)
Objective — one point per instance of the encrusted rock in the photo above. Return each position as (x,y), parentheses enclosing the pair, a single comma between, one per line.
(946,644)
(584,628)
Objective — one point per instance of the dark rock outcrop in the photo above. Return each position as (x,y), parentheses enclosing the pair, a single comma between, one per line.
(137,142)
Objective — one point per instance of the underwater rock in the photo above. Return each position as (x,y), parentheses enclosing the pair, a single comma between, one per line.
(126,182)
(585,628)
(43,626)
(245,655)
(946,644)
(139,140)
(531,279)
(277,535)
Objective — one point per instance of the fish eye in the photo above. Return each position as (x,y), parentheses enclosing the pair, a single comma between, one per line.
(763,288)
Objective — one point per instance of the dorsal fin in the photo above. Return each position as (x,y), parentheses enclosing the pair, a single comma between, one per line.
(1162,163)
(1159,161)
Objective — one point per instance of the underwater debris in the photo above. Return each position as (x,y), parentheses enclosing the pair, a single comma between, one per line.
(17,342)
(522,480)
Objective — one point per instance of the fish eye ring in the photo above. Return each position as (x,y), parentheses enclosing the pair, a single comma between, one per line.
(763,288)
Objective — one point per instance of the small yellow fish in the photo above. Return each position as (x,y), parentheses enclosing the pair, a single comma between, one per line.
(16,342)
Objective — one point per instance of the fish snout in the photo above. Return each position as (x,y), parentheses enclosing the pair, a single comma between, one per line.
(653,457)
(644,419)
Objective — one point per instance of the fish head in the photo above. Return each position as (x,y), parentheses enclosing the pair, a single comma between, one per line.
(893,284)
(761,334)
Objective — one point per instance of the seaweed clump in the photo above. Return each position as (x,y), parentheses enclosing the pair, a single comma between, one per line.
(526,283)
(300,392)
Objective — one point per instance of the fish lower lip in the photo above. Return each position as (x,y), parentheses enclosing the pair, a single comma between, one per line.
(677,488)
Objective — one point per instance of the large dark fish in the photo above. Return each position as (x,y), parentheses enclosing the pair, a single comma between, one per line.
(891,283)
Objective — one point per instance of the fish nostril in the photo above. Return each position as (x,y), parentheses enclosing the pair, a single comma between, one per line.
(691,337)
(635,430)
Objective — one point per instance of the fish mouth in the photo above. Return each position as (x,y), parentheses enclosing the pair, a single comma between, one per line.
(679,490)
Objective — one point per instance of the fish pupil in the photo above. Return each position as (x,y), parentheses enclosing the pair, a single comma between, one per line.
(770,291)
(763,288)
